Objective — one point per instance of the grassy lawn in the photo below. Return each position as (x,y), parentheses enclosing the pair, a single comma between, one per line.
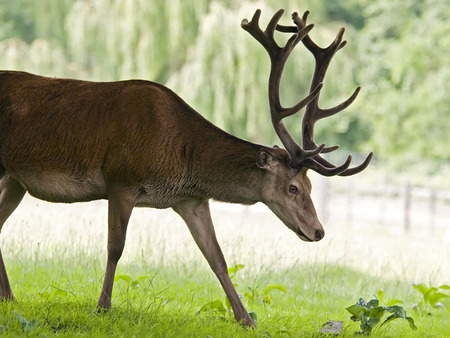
(56,273)
(60,294)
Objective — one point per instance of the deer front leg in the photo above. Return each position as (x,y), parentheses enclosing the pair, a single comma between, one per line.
(197,216)
(120,206)
(11,193)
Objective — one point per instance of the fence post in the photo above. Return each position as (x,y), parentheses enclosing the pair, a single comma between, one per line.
(325,199)
(432,208)
(382,199)
(407,206)
(350,202)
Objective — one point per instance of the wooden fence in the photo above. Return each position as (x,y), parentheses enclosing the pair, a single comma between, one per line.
(403,205)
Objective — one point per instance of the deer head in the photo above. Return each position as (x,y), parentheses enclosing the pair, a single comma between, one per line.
(288,191)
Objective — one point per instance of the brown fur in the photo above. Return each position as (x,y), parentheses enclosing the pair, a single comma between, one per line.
(85,135)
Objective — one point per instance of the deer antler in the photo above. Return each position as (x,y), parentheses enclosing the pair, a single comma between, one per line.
(308,156)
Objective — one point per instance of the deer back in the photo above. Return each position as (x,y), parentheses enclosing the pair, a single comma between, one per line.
(80,136)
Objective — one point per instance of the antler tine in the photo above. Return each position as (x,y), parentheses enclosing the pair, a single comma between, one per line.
(310,119)
(265,38)
(347,172)
(278,56)
(313,112)
(359,168)
(311,163)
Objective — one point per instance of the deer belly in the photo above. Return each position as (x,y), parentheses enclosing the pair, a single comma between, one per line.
(62,187)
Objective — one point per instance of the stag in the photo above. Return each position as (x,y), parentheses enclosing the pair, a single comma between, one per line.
(137,144)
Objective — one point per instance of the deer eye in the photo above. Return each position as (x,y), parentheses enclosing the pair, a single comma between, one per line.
(293,189)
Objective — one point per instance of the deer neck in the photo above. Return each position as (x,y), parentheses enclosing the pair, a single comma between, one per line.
(232,174)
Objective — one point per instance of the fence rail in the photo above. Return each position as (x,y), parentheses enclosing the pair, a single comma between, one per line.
(403,205)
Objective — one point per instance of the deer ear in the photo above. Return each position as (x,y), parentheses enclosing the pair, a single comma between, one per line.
(265,159)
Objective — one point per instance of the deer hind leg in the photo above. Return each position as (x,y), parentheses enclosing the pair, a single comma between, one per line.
(197,216)
(120,206)
(11,193)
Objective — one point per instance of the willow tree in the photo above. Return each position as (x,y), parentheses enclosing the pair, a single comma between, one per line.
(404,50)
(119,39)
(226,73)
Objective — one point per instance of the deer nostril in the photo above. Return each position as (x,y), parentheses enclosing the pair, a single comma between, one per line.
(318,235)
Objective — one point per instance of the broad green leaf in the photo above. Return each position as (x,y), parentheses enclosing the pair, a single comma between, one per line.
(232,270)
(126,278)
(215,305)
(274,287)
(361,302)
(380,295)
(444,287)
(374,321)
(390,319)
(267,299)
(411,323)
(377,312)
(393,301)
(420,287)
(373,303)
(249,295)
(435,297)
(429,293)
(21,319)
(366,328)
(144,277)
(253,316)
(26,325)
(396,310)
(30,326)
(357,311)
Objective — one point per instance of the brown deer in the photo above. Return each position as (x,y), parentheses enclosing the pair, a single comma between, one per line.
(137,144)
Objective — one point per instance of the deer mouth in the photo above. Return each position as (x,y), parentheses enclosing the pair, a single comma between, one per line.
(318,235)
(302,236)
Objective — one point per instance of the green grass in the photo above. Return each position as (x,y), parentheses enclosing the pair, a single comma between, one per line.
(61,293)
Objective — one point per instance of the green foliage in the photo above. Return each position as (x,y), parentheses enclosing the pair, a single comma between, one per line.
(53,291)
(370,314)
(234,269)
(263,296)
(214,306)
(254,295)
(388,302)
(311,301)
(403,50)
(431,296)
(26,325)
(133,284)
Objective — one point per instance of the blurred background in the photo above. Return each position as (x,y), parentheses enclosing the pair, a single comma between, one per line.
(397,50)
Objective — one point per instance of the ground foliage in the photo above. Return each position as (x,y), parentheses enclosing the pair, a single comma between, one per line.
(57,297)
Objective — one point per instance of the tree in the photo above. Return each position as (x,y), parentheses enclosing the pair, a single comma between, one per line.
(404,50)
